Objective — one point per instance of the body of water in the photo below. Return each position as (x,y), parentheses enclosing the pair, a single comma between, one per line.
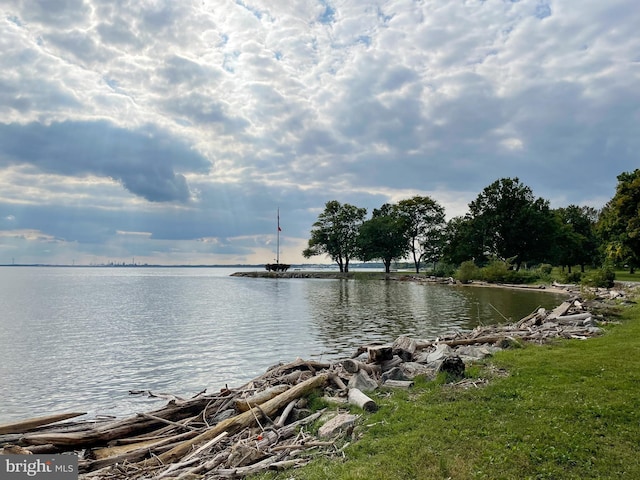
(81,338)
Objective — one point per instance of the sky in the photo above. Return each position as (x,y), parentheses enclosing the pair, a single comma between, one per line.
(172,132)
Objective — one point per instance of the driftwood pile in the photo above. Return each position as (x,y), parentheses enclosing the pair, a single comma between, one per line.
(266,424)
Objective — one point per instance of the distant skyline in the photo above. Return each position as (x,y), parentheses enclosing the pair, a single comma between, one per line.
(171,132)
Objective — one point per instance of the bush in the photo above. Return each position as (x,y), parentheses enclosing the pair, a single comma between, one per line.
(573,277)
(443,270)
(495,272)
(499,272)
(545,269)
(603,277)
(467,271)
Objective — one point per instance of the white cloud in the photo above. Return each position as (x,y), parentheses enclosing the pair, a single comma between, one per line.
(196,120)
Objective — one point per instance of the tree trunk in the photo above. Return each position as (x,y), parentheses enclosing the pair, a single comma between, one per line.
(26,425)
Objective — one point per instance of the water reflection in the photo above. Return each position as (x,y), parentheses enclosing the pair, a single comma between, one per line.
(348,314)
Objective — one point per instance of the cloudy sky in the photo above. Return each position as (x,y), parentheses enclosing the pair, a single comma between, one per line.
(171,131)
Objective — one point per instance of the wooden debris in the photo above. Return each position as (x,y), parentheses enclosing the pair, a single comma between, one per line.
(356,397)
(26,425)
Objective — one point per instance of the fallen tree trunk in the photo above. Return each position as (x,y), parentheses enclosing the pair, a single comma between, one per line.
(26,425)
(244,404)
(474,341)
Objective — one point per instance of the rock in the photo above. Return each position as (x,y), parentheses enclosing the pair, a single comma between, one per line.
(412,369)
(453,366)
(363,382)
(342,422)
(395,373)
(442,350)
(476,352)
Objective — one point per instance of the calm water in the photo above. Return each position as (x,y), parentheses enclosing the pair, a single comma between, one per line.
(81,338)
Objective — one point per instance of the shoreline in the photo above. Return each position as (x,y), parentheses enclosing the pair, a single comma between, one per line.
(404,277)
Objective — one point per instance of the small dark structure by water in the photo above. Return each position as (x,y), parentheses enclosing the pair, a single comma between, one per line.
(276,267)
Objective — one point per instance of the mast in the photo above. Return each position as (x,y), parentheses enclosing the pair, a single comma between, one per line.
(278,240)
(277,267)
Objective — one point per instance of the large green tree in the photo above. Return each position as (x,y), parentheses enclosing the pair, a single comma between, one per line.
(511,223)
(335,233)
(576,242)
(463,241)
(619,222)
(383,237)
(424,221)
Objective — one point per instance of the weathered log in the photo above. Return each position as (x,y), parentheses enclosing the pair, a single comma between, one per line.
(297,364)
(352,366)
(280,421)
(356,397)
(561,309)
(31,423)
(474,341)
(404,347)
(338,381)
(243,420)
(572,319)
(379,354)
(117,450)
(241,472)
(391,363)
(244,404)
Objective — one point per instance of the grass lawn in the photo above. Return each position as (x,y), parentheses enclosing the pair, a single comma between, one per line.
(565,411)
(625,276)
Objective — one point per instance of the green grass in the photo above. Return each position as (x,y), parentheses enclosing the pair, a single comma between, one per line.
(565,411)
(625,276)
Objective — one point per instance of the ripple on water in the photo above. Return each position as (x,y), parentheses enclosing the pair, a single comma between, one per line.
(82,338)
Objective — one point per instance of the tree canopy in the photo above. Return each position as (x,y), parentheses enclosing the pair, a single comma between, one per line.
(335,233)
(511,222)
(424,221)
(576,242)
(383,237)
(619,223)
(506,222)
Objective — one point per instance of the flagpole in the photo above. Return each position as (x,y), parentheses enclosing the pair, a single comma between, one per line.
(278,240)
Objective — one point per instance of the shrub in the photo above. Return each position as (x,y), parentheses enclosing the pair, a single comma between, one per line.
(573,277)
(498,271)
(443,270)
(545,269)
(467,271)
(495,272)
(602,277)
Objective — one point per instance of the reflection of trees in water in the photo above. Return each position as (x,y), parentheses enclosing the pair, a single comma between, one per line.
(486,305)
(348,313)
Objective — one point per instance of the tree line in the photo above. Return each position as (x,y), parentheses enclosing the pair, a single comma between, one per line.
(505,223)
